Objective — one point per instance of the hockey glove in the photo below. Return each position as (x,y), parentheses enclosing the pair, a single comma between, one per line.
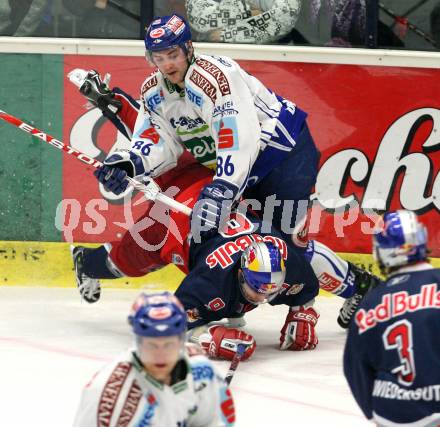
(298,332)
(99,94)
(220,342)
(212,208)
(112,175)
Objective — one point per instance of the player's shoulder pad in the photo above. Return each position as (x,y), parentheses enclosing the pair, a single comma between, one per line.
(201,368)
(212,75)
(152,93)
(150,83)
(118,368)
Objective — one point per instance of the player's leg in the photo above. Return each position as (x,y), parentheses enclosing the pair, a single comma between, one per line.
(140,250)
(341,278)
(290,185)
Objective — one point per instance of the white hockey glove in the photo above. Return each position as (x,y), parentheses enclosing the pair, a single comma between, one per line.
(96,90)
(298,332)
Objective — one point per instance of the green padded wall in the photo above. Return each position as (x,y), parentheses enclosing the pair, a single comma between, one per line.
(30,170)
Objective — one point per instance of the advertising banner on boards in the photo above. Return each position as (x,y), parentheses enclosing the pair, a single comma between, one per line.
(377,129)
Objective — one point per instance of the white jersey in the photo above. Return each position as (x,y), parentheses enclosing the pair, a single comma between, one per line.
(225,117)
(123,394)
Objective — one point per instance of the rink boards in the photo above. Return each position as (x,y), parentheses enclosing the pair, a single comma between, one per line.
(49,264)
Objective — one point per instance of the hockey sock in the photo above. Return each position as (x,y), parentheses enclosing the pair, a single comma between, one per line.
(95,264)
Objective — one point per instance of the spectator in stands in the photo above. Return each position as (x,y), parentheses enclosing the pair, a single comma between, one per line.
(101,19)
(242,21)
(22,18)
(337,23)
(169,7)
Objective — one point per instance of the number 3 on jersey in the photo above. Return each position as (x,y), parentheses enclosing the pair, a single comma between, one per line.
(398,336)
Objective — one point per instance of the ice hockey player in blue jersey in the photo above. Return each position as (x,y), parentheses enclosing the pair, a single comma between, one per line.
(392,353)
(236,271)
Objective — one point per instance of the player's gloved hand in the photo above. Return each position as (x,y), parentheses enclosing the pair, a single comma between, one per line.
(221,342)
(298,332)
(99,94)
(112,175)
(212,208)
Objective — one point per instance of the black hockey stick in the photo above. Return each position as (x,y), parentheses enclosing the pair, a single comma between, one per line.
(241,348)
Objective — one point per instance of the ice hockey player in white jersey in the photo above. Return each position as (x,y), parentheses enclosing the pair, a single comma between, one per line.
(157,383)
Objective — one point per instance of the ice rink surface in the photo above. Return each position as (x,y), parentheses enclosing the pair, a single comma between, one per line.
(51,343)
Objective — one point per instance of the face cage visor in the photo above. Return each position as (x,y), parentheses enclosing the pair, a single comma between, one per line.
(247,291)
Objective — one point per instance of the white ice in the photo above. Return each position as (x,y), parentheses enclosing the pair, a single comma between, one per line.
(51,344)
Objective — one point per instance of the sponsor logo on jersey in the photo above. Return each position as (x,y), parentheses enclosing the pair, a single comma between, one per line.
(398,304)
(390,390)
(110,393)
(194,96)
(328,282)
(202,372)
(398,280)
(227,109)
(130,405)
(227,133)
(204,84)
(203,149)
(222,256)
(149,413)
(215,304)
(154,100)
(151,134)
(193,315)
(291,289)
(177,259)
(152,81)
(188,123)
(222,61)
(215,72)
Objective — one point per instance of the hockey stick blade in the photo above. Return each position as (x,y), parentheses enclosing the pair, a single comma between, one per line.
(241,348)
(150,191)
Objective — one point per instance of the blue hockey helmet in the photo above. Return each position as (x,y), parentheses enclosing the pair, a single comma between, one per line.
(166,32)
(402,240)
(157,315)
(262,267)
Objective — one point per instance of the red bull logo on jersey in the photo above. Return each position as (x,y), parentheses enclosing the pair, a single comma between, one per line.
(397,304)
(222,256)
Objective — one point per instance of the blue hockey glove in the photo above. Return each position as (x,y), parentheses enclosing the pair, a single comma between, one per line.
(212,208)
(112,175)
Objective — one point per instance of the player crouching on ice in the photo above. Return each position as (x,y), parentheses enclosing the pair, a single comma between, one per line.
(256,277)
(392,353)
(157,383)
